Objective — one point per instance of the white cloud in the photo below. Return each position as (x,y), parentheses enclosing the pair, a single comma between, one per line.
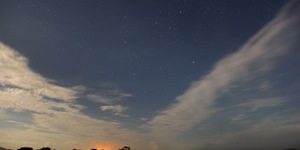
(109,97)
(265,85)
(99,98)
(15,72)
(240,116)
(262,103)
(21,99)
(54,115)
(118,110)
(252,60)
(256,104)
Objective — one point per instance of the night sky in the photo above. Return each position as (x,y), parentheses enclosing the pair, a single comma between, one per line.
(153,75)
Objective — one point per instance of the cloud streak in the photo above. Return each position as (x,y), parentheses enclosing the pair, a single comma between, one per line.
(262,103)
(255,104)
(255,58)
(117,110)
(110,96)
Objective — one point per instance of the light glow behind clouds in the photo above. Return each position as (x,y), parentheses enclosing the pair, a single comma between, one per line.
(52,115)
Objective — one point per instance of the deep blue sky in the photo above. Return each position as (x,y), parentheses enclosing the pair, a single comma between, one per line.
(134,62)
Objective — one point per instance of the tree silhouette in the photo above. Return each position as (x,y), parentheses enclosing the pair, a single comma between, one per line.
(125,148)
(25,148)
(45,148)
(2,148)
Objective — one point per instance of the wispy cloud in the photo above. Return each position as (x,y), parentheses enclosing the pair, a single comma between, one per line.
(109,96)
(261,103)
(117,110)
(53,112)
(2,113)
(256,104)
(265,85)
(255,58)
(15,72)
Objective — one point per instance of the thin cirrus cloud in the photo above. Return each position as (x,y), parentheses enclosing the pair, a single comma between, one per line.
(255,104)
(255,58)
(51,111)
(110,96)
(23,89)
(15,72)
(117,110)
(262,103)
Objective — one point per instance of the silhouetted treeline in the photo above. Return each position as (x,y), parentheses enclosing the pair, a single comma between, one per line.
(25,148)
(45,148)
(2,148)
(124,148)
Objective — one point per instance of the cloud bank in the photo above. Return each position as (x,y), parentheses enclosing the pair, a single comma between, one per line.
(50,112)
(255,58)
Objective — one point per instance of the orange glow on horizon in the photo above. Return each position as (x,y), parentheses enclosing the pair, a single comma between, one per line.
(105,147)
